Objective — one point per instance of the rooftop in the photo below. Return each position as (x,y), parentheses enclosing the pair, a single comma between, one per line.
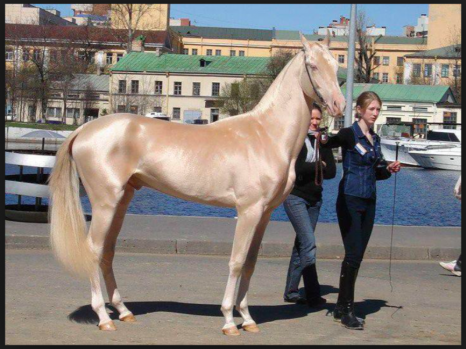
(225,33)
(92,82)
(175,63)
(404,93)
(452,51)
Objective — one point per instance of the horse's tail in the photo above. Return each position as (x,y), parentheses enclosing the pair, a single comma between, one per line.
(67,222)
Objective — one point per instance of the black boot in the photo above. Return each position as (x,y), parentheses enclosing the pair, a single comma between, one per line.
(344,309)
(312,287)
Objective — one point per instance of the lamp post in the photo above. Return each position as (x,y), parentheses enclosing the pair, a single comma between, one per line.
(350,71)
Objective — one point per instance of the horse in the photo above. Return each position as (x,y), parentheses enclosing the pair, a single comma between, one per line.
(244,162)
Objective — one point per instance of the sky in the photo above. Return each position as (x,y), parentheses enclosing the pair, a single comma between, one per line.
(303,17)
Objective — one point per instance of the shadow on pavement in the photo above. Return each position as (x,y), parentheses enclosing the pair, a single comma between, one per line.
(260,313)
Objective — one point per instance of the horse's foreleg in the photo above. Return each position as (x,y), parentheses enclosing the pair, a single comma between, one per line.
(241,302)
(107,259)
(245,229)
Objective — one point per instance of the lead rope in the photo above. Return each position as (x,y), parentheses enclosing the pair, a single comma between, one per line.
(319,171)
(393,223)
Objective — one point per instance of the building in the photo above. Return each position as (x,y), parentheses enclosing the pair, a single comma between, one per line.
(91,9)
(184,87)
(180,21)
(415,104)
(29,14)
(341,28)
(444,25)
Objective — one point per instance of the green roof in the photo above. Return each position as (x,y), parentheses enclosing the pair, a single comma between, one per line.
(403,93)
(175,63)
(453,51)
(224,33)
(293,35)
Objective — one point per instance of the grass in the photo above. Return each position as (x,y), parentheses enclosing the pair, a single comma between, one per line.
(42,126)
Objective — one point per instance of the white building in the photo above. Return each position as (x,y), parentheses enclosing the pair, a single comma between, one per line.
(29,14)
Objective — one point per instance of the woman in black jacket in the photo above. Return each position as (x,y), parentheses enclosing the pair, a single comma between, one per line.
(302,207)
(363,164)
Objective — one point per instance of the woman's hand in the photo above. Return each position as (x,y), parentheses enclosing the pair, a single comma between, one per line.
(394,167)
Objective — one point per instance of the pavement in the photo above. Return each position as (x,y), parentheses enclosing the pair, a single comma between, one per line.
(176,300)
(214,236)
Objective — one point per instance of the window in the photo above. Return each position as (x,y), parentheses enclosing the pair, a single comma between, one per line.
(72,113)
(428,70)
(73,95)
(176,113)
(133,109)
(186,51)
(25,56)
(194,51)
(341,59)
(376,76)
(394,107)
(119,56)
(445,70)
(218,52)
(122,86)
(53,54)
(420,109)
(209,53)
(109,58)
(215,88)
(158,87)
(121,109)
(241,53)
(420,127)
(377,60)
(196,88)
(393,120)
(386,60)
(177,90)
(232,53)
(37,55)
(399,78)
(385,77)
(338,123)
(456,71)
(416,70)
(54,112)
(214,114)
(157,109)
(399,61)
(134,86)
(8,55)
(449,118)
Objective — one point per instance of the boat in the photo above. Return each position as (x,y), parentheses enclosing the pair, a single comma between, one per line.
(444,157)
(393,134)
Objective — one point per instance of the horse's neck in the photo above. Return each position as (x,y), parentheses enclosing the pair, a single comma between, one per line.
(285,110)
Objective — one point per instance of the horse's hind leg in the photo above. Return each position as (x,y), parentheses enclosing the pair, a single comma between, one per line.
(103,212)
(241,301)
(109,253)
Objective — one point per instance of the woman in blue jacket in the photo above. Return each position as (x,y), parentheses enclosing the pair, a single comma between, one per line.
(363,164)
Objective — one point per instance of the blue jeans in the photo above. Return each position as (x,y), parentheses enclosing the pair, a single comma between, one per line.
(303,216)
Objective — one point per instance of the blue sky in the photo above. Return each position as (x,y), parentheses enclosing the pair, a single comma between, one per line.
(303,17)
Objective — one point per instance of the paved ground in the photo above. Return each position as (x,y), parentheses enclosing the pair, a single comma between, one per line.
(214,236)
(176,299)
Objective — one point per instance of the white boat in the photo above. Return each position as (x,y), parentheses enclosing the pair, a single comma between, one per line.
(406,144)
(442,157)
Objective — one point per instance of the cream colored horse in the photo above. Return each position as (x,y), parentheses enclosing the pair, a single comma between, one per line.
(246,162)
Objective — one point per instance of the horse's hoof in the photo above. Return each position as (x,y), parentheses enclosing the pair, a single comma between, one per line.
(251,328)
(128,318)
(109,326)
(231,331)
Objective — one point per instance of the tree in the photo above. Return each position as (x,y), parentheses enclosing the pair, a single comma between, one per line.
(366,52)
(455,53)
(129,16)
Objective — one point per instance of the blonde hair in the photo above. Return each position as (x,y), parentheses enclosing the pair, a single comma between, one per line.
(365,99)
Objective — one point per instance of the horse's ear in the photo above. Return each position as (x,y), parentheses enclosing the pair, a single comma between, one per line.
(305,43)
(326,41)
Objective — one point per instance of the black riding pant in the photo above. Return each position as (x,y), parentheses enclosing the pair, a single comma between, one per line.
(356,219)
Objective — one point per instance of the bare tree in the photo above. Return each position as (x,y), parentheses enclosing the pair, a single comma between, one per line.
(130,16)
(454,51)
(366,51)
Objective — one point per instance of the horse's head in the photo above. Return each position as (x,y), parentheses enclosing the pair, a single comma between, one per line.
(319,77)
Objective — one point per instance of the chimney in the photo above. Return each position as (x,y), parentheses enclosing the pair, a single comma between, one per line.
(157,51)
(138,44)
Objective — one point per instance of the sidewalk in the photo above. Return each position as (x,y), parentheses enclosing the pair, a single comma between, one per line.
(214,236)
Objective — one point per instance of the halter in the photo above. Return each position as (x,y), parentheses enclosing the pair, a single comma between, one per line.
(322,100)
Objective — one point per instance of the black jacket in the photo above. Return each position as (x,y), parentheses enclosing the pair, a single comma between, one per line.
(305,186)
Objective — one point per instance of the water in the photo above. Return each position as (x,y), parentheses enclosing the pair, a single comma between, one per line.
(423,198)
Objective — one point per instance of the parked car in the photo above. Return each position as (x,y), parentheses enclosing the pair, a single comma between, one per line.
(9,117)
(155,115)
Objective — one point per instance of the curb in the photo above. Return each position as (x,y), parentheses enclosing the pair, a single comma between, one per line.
(267,249)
